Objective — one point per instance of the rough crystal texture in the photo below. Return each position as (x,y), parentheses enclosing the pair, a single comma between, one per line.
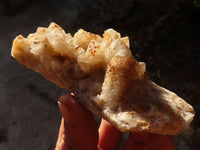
(105,78)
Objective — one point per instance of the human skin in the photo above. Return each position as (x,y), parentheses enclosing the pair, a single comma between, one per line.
(79,131)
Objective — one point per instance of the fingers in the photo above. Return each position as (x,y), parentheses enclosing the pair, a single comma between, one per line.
(144,141)
(78,129)
(109,136)
(164,142)
(137,141)
(60,144)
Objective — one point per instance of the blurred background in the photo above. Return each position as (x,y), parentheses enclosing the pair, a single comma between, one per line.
(163,33)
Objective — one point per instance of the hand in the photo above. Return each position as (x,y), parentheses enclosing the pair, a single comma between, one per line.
(79,131)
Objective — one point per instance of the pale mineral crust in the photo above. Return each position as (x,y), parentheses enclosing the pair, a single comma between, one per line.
(105,78)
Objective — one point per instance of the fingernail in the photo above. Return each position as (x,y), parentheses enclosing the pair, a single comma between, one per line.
(72,94)
(64,111)
(66,99)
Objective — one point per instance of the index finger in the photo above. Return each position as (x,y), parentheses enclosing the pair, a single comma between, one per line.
(109,136)
(150,141)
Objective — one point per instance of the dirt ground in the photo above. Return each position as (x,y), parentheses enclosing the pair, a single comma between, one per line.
(163,33)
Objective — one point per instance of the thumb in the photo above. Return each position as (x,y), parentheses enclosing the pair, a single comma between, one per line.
(78,128)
